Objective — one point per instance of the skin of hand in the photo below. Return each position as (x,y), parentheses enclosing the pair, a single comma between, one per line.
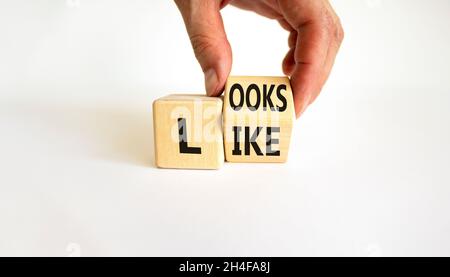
(315,35)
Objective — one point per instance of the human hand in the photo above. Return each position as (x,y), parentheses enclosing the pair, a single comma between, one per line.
(314,40)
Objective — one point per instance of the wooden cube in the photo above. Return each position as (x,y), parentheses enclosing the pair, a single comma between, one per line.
(188,131)
(258,117)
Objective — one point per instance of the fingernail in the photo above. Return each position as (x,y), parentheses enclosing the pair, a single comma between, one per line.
(210,81)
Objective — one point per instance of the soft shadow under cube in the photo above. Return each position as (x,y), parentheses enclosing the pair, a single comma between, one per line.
(258,115)
(188,131)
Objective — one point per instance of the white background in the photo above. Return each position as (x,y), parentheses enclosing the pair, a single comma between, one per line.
(369,166)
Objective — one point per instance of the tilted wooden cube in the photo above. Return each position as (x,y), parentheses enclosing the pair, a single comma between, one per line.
(258,116)
(188,132)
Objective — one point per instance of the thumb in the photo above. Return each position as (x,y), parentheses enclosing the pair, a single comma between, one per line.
(207,34)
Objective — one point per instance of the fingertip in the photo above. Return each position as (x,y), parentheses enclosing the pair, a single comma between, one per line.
(299,110)
(302,90)
(211,82)
(216,77)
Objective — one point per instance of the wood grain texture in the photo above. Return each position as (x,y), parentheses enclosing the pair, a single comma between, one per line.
(188,131)
(258,117)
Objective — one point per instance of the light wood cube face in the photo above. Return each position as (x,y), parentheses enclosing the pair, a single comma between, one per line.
(188,132)
(258,116)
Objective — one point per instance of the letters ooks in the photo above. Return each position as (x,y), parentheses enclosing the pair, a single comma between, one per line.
(265,97)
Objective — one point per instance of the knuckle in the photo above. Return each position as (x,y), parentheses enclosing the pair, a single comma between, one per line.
(201,44)
(339,32)
(328,21)
(333,27)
